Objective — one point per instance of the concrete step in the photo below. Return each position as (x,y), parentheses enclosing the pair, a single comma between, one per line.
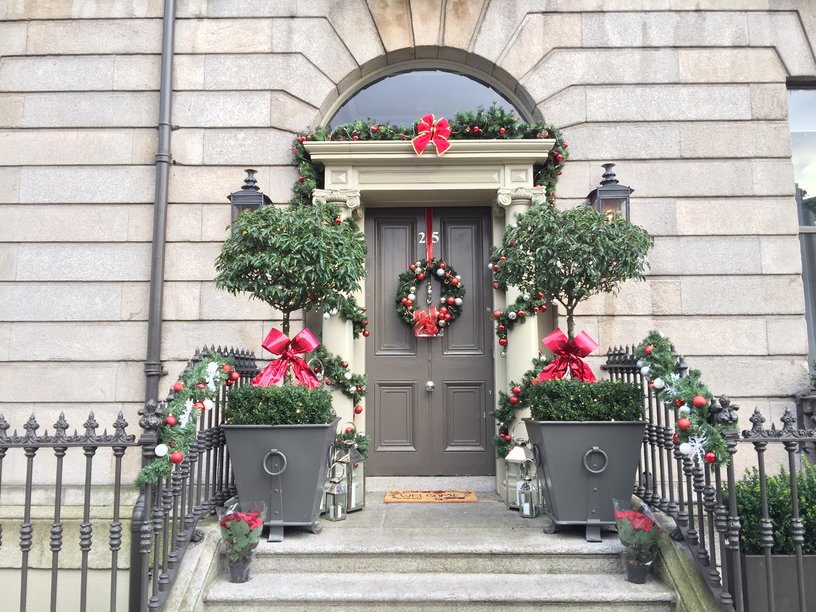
(468,550)
(439,591)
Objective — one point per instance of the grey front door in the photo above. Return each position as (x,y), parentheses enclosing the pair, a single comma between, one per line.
(444,431)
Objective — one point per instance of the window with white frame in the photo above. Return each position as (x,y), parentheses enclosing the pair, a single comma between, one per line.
(802,118)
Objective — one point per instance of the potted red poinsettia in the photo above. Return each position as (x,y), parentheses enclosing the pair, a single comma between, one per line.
(640,533)
(240,533)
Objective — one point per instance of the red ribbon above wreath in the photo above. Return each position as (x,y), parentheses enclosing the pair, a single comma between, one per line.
(279,343)
(568,355)
(431,130)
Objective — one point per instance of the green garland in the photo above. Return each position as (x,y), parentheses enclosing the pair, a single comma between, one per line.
(361,441)
(510,403)
(690,399)
(495,123)
(517,312)
(337,375)
(452,293)
(348,307)
(194,394)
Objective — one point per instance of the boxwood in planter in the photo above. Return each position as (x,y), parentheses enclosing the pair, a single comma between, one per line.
(785,590)
(280,440)
(588,438)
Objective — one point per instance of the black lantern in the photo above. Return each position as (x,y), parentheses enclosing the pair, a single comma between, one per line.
(249,197)
(610,197)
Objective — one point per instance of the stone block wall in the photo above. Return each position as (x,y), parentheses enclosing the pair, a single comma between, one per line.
(687,96)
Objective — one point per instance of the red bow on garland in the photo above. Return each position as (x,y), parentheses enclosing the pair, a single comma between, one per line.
(278,343)
(425,322)
(430,130)
(568,354)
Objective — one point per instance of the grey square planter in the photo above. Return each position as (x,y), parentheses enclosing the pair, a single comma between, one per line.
(785,590)
(584,466)
(284,466)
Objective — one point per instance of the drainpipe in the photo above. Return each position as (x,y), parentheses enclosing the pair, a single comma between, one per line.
(153,367)
(140,526)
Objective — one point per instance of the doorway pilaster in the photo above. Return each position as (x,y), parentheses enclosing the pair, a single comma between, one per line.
(522,340)
(338,336)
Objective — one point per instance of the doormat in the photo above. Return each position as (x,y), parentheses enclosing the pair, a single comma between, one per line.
(430,497)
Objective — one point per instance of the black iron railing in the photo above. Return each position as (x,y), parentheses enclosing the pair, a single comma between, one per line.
(702,499)
(164,517)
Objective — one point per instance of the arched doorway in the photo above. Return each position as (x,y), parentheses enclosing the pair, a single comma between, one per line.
(428,402)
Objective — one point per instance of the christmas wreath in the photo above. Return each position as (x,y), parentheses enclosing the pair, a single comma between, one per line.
(428,323)
(700,432)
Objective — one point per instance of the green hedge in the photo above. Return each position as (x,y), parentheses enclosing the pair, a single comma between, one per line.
(286,405)
(779,510)
(570,399)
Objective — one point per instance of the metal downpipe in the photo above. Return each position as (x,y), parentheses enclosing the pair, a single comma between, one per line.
(153,367)
(140,528)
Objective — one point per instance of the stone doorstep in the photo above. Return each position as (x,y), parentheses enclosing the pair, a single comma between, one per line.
(424,589)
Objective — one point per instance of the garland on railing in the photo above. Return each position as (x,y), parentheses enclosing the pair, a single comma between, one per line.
(510,403)
(491,124)
(698,433)
(194,394)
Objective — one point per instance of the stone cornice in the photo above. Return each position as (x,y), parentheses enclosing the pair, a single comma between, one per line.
(461,151)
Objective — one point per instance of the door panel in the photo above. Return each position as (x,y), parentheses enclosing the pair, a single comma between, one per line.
(445,431)
(464,405)
(396,416)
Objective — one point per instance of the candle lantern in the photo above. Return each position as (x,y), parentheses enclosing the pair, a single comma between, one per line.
(520,453)
(355,477)
(336,495)
(529,506)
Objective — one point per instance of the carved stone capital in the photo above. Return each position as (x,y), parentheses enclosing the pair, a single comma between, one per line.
(524,195)
(348,198)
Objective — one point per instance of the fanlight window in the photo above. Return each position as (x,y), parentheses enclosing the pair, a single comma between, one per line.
(403,98)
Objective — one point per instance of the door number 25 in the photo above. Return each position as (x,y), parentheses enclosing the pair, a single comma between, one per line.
(434,237)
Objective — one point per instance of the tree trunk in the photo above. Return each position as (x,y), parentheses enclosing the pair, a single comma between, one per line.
(570,324)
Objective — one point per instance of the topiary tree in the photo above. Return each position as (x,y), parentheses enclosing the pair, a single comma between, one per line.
(568,256)
(293,258)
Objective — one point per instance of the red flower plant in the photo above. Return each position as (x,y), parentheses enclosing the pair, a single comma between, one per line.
(241,532)
(638,531)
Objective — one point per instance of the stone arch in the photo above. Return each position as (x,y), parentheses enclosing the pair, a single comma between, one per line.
(446,58)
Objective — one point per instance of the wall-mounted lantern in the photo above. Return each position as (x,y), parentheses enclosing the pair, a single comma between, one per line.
(610,197)
(249,197)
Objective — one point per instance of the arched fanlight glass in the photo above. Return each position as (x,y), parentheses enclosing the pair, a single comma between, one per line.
(403,98)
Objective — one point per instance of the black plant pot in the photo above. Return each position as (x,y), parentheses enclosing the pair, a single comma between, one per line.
(584,466)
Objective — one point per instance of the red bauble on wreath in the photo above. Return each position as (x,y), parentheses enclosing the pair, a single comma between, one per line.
(429,322)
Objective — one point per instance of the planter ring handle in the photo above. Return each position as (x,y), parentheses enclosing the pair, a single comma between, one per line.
(591,452)
(274,451)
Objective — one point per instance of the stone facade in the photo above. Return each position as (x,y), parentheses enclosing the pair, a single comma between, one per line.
(687,96)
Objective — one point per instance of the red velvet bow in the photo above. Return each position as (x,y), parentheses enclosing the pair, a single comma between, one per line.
(278,343)
(425,322)
(568,354)
(430,130)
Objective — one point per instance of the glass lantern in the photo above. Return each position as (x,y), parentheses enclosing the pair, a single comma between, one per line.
(336,495)
(520,453)
(355,477)
(528,493)
(610,197)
